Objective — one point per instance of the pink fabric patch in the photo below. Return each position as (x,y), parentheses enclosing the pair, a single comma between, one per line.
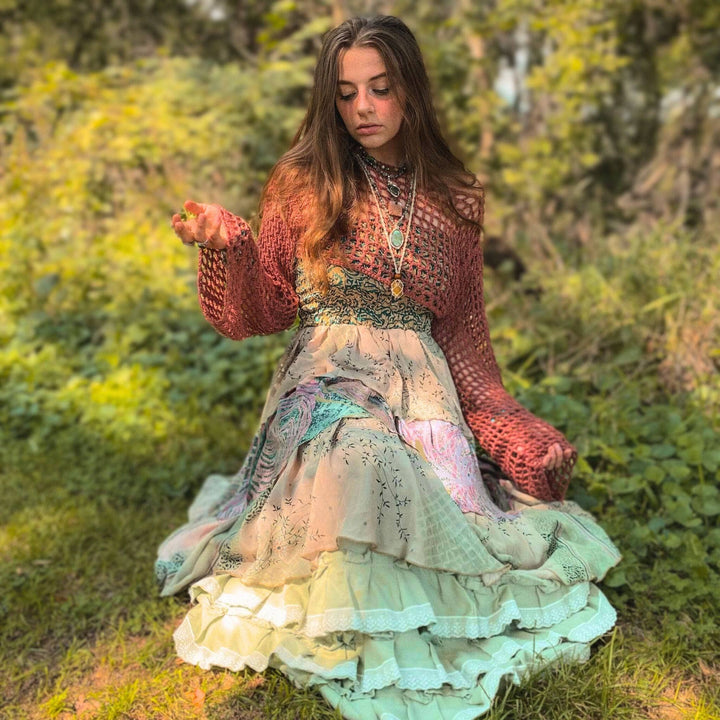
(445,447)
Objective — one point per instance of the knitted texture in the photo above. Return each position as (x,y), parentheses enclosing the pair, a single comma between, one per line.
(249,289)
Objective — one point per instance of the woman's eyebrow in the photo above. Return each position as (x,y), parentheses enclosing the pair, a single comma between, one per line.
(374,77)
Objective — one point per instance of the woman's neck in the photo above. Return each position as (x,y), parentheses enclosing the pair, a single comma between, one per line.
(381,161)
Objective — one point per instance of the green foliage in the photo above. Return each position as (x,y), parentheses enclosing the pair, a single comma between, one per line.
(650,472)
(98,312)
(568,87)
(90,36)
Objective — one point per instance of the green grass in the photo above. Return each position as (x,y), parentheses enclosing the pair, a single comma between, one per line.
(85,636)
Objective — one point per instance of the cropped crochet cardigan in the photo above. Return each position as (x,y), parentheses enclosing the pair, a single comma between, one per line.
(249,289)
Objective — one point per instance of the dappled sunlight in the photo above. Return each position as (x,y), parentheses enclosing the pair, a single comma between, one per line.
(138,676)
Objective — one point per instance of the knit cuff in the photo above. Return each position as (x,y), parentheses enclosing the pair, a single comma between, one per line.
(237,230)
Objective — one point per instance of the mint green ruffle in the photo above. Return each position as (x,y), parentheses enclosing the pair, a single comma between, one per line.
(374,633)
(370,592)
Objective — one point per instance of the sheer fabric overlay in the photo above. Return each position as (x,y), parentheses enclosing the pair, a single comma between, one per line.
(358,549)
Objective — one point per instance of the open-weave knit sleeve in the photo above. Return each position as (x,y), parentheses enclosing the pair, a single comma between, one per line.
(248,288)
(516,439)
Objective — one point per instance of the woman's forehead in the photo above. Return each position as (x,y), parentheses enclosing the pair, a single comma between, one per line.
(360,65)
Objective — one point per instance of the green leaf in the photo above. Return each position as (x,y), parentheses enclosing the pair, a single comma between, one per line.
(662,451)
(654,473)
(677,469)
(616,578)
(711,460)
(706,500)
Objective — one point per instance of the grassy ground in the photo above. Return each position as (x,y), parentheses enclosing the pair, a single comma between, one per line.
(84,635)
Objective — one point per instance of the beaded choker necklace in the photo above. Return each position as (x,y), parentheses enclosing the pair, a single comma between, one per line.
(386,171)
(396,239)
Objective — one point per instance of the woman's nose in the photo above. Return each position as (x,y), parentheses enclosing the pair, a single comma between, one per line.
(364,102)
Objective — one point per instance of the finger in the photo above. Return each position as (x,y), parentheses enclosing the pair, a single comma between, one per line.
(209,228)
(547,460)
(194,207)
(183,232)
(558,456)
(210,219)
(551,458)
(204,233)
(215,229)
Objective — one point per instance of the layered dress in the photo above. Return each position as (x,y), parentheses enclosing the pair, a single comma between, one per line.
(359,549)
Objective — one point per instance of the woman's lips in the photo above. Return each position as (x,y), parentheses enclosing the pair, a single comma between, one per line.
(368,129)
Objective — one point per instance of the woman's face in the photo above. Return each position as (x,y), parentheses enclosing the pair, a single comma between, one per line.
(368,105)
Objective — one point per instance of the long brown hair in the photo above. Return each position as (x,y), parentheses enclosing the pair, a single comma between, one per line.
(319,164)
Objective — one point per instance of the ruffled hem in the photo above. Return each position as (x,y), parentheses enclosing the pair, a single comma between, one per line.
(374,646)
(358,483)
(369,592)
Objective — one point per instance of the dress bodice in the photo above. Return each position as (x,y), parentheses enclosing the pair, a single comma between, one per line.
(354,298)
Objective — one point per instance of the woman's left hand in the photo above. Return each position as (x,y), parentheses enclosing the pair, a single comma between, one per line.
(556,456)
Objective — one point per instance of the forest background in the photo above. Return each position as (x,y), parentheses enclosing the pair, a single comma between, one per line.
(595,125)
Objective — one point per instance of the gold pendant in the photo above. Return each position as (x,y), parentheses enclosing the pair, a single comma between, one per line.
(396,288)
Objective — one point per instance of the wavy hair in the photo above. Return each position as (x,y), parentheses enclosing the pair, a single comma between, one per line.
(320,165)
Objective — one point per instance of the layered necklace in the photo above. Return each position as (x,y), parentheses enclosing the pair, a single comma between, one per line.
(396,238)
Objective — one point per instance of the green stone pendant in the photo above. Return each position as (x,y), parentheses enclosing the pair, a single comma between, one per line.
(396,239)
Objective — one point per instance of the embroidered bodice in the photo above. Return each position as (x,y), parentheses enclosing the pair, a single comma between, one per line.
(356,299)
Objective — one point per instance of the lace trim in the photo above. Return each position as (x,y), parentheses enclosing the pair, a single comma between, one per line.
(335,620)
(390,673)
(606,617)
(527,617)
(246,603)
(369,621)
(343,671)
(190,651)
(549,647)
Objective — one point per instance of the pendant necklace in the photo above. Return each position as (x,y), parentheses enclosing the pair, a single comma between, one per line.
(384,170)
(396,239)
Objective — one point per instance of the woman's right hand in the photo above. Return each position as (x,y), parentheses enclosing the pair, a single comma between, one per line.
(206,228)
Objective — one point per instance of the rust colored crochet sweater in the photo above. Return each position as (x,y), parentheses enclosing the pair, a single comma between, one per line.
(249,289)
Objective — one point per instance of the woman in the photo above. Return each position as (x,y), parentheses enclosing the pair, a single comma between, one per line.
(358,549)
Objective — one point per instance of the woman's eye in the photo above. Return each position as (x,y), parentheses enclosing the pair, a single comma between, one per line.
(376,91)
